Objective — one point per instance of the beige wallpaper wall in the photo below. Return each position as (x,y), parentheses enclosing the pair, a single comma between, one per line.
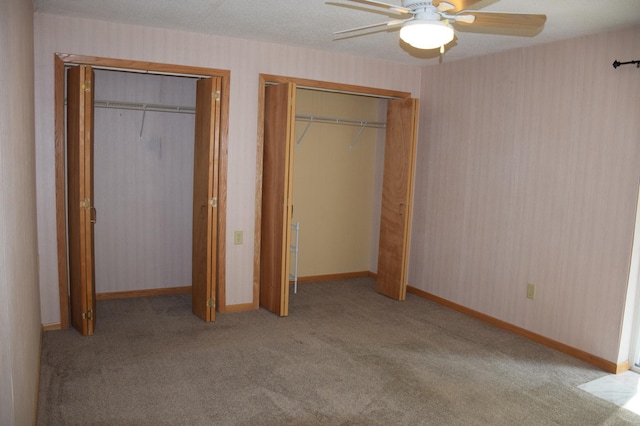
(528,173)
(333,183)
(20,325)
(245,60)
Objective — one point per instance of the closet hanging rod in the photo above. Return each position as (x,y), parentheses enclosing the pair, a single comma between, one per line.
(332,120)
(179,109)
(335,120)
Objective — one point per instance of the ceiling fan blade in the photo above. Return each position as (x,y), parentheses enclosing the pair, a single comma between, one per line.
(380,24)
(391,7)
(457,4)
(445,6)
(501,20)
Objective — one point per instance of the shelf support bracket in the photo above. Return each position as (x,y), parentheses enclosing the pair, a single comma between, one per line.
(304,132)
(144,112)
(355,140)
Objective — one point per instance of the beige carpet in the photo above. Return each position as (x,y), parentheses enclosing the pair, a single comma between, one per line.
(344,356)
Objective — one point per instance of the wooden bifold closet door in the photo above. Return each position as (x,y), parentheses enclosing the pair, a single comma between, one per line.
(277,187)
(397,196)
(81,213)
(205,199)
(277,178)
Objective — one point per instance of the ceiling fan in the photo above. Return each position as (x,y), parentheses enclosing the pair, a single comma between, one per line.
(428,23)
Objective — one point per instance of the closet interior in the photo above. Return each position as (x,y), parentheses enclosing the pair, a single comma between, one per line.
(143,181)
(140,154)
(344,180)
(337,183)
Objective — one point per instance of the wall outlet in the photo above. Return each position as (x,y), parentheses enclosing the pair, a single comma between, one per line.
(237,237)
(531,291)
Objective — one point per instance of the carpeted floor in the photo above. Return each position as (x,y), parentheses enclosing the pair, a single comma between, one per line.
(344,356)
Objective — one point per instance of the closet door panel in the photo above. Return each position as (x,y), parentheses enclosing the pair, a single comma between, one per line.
(397,191)
(277,174)
(205,193)
(81,214)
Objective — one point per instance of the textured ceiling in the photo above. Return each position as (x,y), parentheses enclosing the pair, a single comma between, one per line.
(311,23)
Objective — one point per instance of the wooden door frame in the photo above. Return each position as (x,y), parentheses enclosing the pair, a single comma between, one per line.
(263,80)
(63,59)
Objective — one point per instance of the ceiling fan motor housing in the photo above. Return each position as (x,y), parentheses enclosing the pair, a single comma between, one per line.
(422,10)
(413,4)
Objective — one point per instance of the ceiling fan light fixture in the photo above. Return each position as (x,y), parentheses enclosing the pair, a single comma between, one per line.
(427,35)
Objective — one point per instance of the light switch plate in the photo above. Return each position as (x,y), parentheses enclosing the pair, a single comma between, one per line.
(531,291)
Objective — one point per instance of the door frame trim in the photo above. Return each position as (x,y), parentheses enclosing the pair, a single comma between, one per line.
(63,59)
(263,80)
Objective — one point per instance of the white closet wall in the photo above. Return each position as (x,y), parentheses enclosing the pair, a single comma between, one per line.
(143,183)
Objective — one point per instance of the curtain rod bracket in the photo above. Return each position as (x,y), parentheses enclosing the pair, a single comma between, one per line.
(617,63)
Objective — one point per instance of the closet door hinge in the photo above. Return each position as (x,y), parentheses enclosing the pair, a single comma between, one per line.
(85,204)
(213,202)
(216,96)
(211,303)
(88,315)
(86,85)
